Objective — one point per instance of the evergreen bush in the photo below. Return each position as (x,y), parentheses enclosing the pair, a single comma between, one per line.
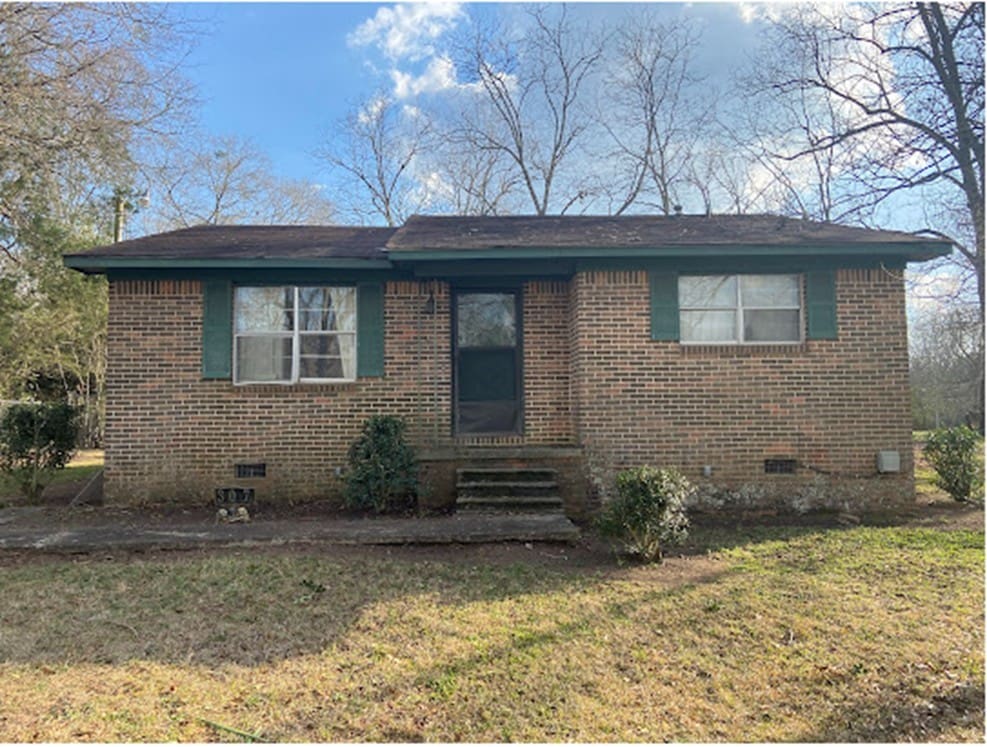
(36,440)
(648,512)
(383,473)
(953,454)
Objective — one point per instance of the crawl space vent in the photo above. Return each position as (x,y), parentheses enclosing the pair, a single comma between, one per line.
(251,470)
(780,466)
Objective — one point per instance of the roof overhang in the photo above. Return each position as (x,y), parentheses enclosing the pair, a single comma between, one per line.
(522,260)
(909,252)
(94,264)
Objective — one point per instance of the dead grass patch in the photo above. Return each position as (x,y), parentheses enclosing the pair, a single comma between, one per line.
(809,635)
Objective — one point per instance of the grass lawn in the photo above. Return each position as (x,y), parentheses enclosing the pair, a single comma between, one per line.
(925,480)
(780,634)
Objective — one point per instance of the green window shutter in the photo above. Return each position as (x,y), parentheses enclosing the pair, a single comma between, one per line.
(664,305)
(217,329)
(820,302)
(370,329)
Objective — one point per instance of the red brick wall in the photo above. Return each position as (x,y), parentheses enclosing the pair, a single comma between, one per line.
(830,404)
(169,434)
(592,377)
(172,436)
(548,416)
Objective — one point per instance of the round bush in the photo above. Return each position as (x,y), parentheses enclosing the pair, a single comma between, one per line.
(648,512)
(953,454)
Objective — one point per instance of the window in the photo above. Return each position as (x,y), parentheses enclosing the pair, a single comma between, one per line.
(287,334)
(740,308)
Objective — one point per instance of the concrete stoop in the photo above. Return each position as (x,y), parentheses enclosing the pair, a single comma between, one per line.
(508,490)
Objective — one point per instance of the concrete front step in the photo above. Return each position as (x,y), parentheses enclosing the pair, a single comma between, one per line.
(512,504)
(499,487)
(504,474)
(508,490)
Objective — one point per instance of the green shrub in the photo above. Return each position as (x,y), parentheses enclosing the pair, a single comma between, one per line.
(648,512)
(383,474)
(953,454)
(36,440)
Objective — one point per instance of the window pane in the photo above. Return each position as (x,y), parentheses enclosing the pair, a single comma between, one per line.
(771,326)
(327,309)
(263,358)
(709,326)
(320,368)
(769,290)
(327,356)
(485,319)
(707,291)
(315,344)
(269,309)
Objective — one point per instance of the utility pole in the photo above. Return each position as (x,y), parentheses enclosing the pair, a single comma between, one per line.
(119,204)
(124,201)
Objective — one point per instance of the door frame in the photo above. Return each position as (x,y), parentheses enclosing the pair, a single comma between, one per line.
(517,289)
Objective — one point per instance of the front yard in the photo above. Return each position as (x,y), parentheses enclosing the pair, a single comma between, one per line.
(790,633)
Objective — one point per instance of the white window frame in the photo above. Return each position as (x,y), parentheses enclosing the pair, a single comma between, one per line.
(739,308)
(295,336)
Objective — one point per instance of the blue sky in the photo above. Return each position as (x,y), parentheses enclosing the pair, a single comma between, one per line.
(282,73)
(279,74)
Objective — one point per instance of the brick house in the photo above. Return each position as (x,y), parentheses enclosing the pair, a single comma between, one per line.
(765,357)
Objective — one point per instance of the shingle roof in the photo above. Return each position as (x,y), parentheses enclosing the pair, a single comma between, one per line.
(421,233)
(254,242)
(512,237)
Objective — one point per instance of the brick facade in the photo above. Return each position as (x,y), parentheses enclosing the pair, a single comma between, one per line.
(592,378)
(828,404)
(170,435)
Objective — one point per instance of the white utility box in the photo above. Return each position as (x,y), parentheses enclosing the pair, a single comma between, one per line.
(888,461)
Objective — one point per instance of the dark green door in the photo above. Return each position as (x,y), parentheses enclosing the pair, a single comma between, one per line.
(487,362)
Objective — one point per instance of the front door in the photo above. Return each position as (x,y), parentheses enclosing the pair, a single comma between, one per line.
(487,361)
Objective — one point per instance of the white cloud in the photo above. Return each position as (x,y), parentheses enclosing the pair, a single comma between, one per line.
(440,74)
(748,12)
(407,31)
(778,11)
(433,187)
(371,110)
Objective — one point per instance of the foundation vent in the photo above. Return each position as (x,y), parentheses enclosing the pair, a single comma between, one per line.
(258,469)
(780,466)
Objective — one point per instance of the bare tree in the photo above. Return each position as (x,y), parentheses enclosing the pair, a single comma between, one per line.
(947,366)
(908,83)
(721,174)
(296,202)
(529,101)
(789,169)
(476,183)
(81,86)
(375,149)
(471,181)
(229,180)
(654,116)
